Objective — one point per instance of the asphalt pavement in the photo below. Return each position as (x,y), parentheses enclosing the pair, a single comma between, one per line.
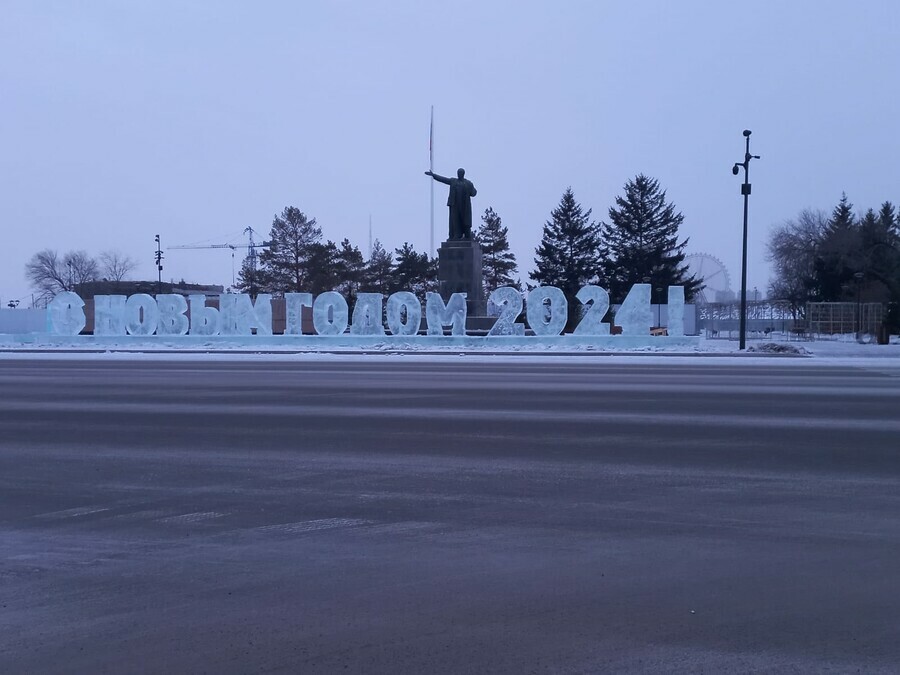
(395,515)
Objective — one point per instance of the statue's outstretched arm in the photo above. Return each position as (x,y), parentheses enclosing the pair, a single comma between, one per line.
(439,179)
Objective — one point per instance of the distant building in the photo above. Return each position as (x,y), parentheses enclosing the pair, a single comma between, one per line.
(89,289)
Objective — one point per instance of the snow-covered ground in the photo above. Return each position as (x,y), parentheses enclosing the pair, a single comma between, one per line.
(840,350)
(839,346)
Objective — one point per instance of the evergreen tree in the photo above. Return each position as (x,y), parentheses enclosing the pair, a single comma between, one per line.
(839,254)
(350,269)
(889,221)
(286,263)
(889,265)
(378,274)
(321,268)
(570,252)
(498,263)
(251,277)
(642,240)
(879,254)
(414,271)
(871,232)
(432,283)
(842,218)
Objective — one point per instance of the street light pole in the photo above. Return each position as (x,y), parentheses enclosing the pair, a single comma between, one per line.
(859,277)
(158,258)
(745,190)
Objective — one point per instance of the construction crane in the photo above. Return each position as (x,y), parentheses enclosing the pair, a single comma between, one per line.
(252,255)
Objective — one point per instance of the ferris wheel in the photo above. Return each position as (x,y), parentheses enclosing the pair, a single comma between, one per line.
(714,275)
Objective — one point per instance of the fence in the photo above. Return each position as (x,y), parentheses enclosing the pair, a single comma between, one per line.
(821,320)
(722,320)
(842,318)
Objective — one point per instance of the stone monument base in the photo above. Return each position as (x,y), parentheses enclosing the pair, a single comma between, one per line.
(459,271)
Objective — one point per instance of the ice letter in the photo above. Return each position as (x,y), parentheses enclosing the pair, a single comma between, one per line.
(141,314)
(547,310)
(239,316)
(109,315)
(675,311)
(204,320)
(230,321)
(293,307)
(635,316)
(453,314)
(509,300)
(172,318)
(396,304)
(367,315)
(262,314)
(66,314)
(592,321)
(330,313)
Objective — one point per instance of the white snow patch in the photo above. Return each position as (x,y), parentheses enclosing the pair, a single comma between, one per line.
(840,351)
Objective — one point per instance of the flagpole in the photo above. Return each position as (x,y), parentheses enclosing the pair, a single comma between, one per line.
(431,182)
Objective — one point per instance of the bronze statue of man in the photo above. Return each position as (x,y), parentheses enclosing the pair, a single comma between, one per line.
(460,202)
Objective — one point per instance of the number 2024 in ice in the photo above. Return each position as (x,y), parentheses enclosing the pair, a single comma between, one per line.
(547,311)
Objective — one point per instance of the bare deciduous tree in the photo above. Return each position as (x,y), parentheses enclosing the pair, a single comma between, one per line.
(116,266)
(49,274)
(84,267)
(792,249)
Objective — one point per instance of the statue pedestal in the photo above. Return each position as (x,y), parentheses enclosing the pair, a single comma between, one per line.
(459,271)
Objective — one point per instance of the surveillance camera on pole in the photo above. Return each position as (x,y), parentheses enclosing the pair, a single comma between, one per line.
(745,191)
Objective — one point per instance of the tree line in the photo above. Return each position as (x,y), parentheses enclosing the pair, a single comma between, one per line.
(836,257)
(637,244)
(297,259)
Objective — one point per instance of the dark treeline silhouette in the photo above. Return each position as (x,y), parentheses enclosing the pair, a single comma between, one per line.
(639,244)
(841,257)
(297,259)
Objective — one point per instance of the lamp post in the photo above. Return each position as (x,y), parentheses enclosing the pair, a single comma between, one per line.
(745,190)
(859,277)
(158,257)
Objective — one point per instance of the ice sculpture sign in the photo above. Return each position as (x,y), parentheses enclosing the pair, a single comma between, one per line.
(546,311)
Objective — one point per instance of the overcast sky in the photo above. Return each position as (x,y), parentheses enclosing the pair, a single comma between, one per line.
(121,120)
